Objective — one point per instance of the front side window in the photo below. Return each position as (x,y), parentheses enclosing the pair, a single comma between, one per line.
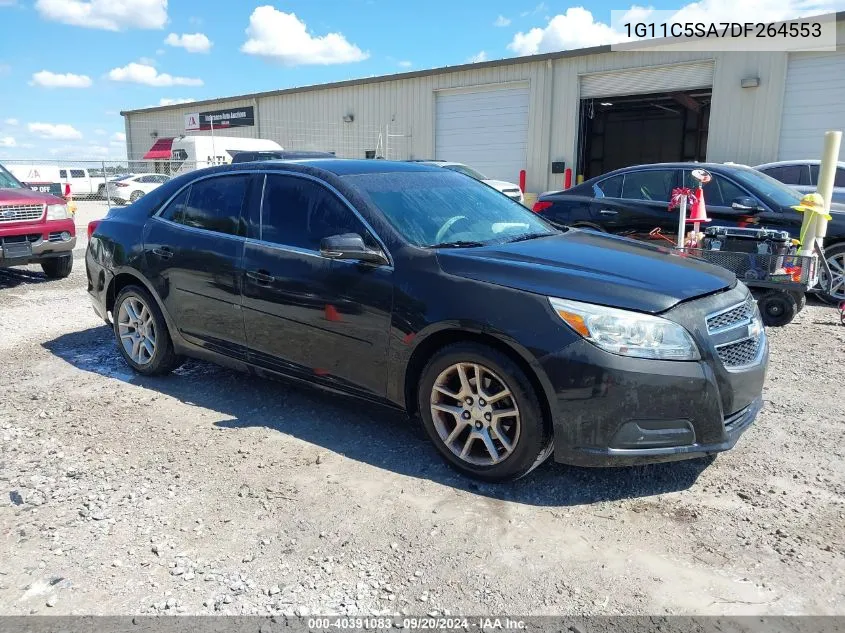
(214,204)
(77,173)
(63,173)
(651,184)
(430,208)
(719,192)
(299,212)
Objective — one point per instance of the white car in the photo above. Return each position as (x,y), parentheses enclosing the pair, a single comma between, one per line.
(135,186)
(511,190)
(803,175)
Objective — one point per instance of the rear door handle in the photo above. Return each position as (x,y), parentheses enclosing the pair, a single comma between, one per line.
(609,212)
(261,277)
(163,252)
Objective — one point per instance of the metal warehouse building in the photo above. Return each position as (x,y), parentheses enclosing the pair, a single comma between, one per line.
(592,109)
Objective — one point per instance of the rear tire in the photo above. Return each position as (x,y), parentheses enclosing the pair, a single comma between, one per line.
(835,256)
(800,300)
(57,267)
(466,428)
(141,333)
(777,308)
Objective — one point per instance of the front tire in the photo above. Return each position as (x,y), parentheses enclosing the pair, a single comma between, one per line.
(58,267)
(141,333)
(482,413)
(835,256)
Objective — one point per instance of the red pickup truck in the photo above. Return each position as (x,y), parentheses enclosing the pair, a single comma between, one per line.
(35,228)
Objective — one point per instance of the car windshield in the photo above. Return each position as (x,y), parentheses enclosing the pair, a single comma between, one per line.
(437,208)
(8,181)
(468,171)
(767,187)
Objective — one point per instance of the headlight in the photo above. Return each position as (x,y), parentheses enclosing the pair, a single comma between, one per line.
(627,333)
(57,212)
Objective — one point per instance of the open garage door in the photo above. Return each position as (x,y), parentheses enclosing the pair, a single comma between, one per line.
(813,103)
(484,128)
(644,115)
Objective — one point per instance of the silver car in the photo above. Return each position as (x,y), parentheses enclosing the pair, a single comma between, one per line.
(803,175)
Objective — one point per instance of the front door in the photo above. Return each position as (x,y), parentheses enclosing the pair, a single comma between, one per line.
(306,314)
(641,204)
(194,253)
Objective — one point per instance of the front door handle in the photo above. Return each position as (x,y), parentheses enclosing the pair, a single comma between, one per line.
(163,252)
(261,276)
(609,212)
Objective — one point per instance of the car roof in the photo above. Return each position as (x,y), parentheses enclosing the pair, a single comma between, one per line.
(805,161)
(717,167)
(339,166)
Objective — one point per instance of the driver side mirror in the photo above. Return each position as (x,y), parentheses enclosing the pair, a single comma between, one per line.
(350,246)
(747,204)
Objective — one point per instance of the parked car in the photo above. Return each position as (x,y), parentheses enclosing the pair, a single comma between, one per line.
(252,156)
(634,200)
(132,188)
(510,338)
(82,184)
(803,175)
(35,228)
(511,190)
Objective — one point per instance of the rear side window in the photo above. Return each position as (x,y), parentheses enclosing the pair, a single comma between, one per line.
(653,184)
(176,209)
(300,213)
(840,177)
(63,173)
(215,204)
(77,173)
(608,188)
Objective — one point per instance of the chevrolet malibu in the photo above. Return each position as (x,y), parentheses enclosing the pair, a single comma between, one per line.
(418,288)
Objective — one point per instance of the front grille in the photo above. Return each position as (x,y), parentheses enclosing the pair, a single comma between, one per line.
(20,239)
(739,354)
(731,317)
(21,212)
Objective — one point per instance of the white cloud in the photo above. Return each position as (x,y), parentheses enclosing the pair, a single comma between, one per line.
(149,76)
(577,28)
(119,136)
(480,56)
(8,141)
(405,64)
(191,42)
(164,101)
(49,79)
(57,131)
(12,122)
(502,21)
(110,15)
(284,38)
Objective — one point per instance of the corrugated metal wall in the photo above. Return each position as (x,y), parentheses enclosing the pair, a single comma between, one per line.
(399,113)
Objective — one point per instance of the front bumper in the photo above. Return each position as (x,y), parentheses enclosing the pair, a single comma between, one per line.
(45,240)
(611,410)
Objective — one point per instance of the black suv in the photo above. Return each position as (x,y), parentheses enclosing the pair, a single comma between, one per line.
(633,201)
(422,289)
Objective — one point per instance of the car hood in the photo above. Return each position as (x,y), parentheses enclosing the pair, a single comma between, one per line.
(27,196)
(591,267)
(500,184)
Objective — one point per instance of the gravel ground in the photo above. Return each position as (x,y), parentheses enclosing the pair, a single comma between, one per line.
(211,492)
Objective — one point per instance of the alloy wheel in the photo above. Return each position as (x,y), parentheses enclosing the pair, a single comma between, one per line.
(137,331)
(475,414)
(837,271)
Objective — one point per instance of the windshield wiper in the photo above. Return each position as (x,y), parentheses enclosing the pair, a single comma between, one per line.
(457,244)
(528,236)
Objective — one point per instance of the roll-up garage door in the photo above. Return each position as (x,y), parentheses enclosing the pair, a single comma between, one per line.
(647,80)
(813,103)
(487,129)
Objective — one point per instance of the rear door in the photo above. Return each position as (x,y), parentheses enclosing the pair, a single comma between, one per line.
(641,205)
(324,319)
(194,255)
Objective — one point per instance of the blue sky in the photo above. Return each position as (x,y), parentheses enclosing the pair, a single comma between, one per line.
(67,67)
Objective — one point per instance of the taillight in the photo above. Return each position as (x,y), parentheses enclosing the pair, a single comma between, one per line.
(541,205)
(121,184)
(92,226)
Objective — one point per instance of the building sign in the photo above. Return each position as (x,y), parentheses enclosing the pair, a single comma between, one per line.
(233,117)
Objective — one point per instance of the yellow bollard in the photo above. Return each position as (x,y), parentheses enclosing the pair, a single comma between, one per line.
(827,174)
(579,179)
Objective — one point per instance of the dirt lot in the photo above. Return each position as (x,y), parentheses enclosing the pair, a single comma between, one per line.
(213,492)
